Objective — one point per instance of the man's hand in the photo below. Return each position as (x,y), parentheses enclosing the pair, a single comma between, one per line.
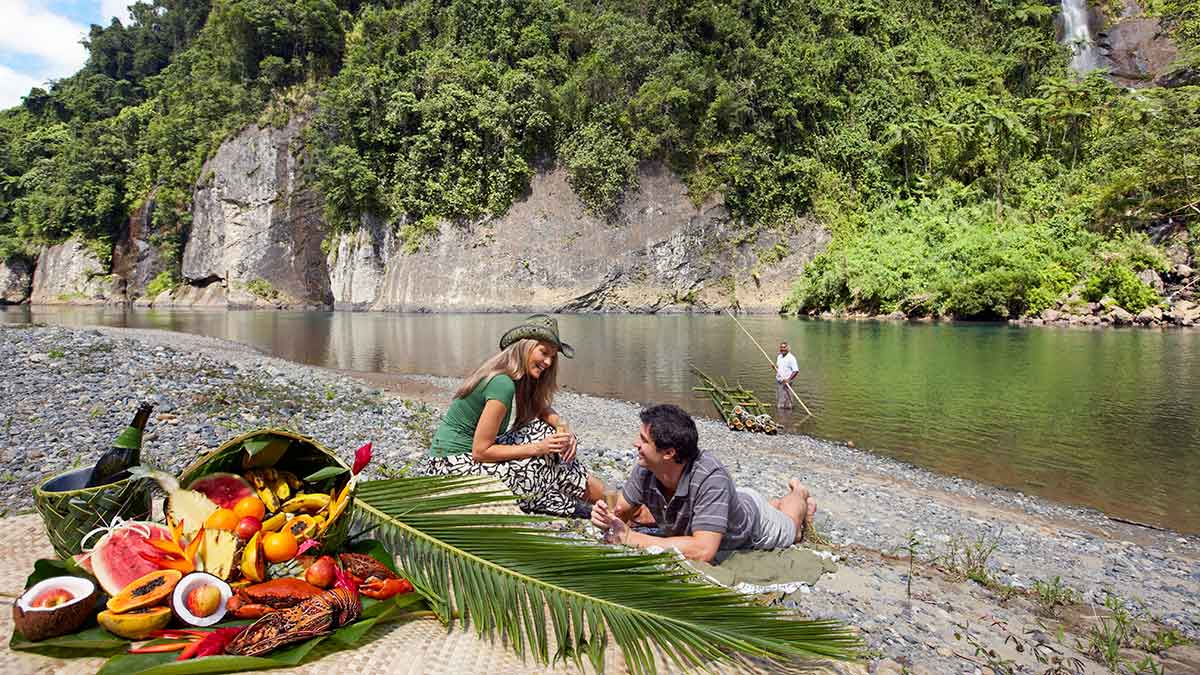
(615,530)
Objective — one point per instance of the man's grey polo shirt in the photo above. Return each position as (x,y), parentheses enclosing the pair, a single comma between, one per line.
(705,500)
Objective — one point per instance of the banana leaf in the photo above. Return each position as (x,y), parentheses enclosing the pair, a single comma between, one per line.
(511,579)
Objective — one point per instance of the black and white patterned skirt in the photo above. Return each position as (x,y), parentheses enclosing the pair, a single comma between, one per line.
(540,486)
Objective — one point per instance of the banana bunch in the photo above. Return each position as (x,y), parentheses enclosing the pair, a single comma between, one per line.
(306,502)
(337,503)
(273,486)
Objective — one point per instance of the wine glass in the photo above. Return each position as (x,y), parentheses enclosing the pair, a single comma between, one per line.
(561,428)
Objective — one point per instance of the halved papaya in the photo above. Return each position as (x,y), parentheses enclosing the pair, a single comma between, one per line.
(145,591)
(135,624)
(302,527)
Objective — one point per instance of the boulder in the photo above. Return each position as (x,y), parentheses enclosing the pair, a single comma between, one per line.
(256,226)
(1183,271)
(1137,50)
(1121,317)
(16,281)
(1151,279)
(1050,315)
(1146,317)
(71,273)
(1107,303)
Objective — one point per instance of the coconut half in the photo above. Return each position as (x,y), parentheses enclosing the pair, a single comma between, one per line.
(197,581)
(40,623)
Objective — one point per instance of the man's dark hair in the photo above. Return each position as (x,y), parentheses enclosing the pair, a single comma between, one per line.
(671,427)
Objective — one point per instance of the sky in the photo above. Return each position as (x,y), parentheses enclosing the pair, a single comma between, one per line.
(39,40)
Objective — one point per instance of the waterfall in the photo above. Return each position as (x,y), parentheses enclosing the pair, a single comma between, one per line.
(1078,36)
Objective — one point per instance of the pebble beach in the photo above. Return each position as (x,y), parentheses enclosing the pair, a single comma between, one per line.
(978,555)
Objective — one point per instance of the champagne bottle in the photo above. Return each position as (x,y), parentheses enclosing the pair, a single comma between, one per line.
(125,452)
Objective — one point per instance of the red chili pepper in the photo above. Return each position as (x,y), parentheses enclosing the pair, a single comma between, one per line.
(160,648)
(190,650)
(178,633)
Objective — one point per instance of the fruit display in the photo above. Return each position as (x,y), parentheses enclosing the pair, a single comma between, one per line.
(54,606)
(253,531)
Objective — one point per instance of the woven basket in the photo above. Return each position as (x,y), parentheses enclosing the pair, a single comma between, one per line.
(70,510)
(302,457)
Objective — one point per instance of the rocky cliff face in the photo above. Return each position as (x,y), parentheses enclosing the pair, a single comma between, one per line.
(256,228)
(16,281)
(1136,50)
(358,264)
(70,273)
(660,252)
(135,260)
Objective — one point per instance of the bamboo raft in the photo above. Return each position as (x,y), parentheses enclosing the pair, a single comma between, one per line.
(737,406)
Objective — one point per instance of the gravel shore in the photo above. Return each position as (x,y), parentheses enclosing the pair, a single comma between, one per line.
(66,393)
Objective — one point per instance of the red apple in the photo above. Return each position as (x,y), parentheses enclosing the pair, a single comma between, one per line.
(247,527)
(52,597)
(202,601)
(320,573)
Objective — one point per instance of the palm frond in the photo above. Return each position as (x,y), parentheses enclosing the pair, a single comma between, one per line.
(511,578)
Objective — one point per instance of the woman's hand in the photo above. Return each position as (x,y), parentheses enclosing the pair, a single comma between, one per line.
(555,444)
(572,446)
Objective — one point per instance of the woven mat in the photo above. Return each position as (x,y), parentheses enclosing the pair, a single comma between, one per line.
(417,647)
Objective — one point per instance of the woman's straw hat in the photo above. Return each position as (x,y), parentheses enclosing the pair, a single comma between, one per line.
(538,327)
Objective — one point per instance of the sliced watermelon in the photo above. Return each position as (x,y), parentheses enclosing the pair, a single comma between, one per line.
(116,559)
(224,489)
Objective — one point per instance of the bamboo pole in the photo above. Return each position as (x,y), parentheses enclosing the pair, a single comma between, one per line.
(768,358)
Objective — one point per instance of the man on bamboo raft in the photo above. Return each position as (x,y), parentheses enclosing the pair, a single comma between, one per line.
(693,499)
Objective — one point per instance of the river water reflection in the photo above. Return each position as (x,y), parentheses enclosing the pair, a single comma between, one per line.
(1105,418)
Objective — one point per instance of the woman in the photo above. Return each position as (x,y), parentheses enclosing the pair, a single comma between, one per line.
(537,464)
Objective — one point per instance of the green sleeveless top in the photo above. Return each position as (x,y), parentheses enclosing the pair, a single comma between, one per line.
(456,433)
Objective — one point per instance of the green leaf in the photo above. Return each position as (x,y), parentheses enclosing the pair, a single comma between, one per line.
(94,641)
(327,472)
(265,450)
(504,577)
(46,568)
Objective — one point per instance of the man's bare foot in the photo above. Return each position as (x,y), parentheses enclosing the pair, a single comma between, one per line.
(798,505)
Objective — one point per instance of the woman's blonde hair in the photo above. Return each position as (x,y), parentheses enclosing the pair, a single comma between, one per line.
(533,396)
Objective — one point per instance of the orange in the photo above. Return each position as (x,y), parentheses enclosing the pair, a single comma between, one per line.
(251,507)
(279,546)
(222,519)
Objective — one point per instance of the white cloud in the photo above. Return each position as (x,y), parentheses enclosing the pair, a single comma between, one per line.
(117,8)
(14,85)
(38,32)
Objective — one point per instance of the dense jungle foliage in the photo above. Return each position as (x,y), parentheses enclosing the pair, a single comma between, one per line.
(961,167)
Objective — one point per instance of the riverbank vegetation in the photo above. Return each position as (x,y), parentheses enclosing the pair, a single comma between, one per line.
(963,170)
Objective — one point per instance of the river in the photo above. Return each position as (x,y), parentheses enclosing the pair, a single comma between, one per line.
(1107,418)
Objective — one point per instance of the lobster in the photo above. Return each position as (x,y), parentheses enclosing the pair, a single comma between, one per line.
(318,615)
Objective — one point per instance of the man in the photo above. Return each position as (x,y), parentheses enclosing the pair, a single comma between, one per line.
(786,370)
(693,499)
